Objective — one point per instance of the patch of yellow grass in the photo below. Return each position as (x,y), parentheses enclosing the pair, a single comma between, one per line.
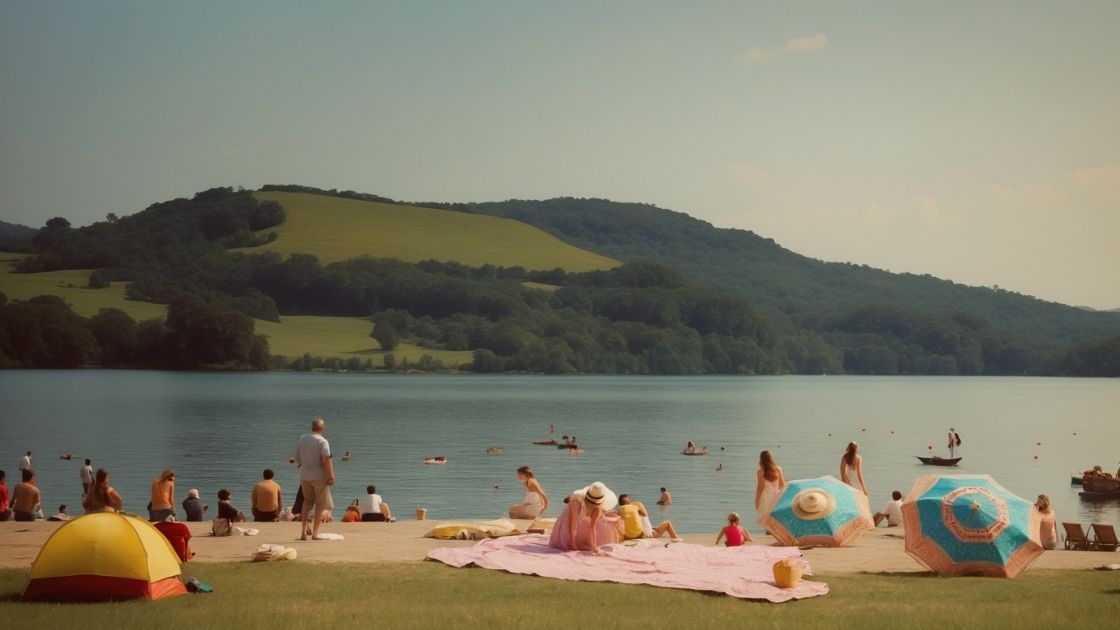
(337,229)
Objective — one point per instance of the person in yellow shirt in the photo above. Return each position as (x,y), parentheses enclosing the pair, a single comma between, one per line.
(636,524)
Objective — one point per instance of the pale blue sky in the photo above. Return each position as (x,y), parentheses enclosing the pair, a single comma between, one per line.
(974,141)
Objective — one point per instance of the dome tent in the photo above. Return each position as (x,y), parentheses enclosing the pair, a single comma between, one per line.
(102,556)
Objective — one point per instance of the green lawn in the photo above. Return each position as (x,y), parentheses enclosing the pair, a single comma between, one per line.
(341,337)
(336,229)
(292,594)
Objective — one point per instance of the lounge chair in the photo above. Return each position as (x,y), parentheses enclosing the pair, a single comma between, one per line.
(1104,537)
(1075,537)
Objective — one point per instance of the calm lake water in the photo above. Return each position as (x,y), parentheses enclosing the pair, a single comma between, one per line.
(221,430)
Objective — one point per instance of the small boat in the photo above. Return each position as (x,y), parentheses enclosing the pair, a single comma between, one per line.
(346,456)
(694,452)
(1100,487)
(572,445)
(545,442)
(494,450)
(438,459)
(939,461)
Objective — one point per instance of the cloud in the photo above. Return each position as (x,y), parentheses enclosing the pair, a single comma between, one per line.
(757,54)
(1086,188)
(810,43)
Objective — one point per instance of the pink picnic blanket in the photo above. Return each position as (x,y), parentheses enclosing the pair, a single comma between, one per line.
(744,572)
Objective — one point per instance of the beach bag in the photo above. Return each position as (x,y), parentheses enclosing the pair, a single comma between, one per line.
(221,527)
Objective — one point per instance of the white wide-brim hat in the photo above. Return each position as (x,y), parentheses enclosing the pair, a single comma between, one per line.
(598,494)
(813,503)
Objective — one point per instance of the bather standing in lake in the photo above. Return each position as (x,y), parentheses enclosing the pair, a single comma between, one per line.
(851,468)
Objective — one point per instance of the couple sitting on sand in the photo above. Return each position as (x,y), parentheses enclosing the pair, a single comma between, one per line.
(588,522)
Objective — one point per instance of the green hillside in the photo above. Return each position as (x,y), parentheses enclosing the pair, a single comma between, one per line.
(321,336)
(335,229)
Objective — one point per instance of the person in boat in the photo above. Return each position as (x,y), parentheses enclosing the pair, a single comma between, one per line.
(587,521)
(1047,523)
(770,482)
(535,502)
(567,441)
(636,523)
(690,448)
(954,442)
(892,512)
(665,498)
(851,467)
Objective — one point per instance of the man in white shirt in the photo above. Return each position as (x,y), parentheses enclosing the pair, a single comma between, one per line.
(373,508)
(86,473)
(893,511)
(25,461)
(316,476)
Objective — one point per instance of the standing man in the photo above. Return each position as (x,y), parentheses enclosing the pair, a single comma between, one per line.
(25,498)
(266,499)
(25,461)
(86,473)
(316,476)
(954,440)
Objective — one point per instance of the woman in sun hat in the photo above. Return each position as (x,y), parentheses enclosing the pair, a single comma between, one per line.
(586,521)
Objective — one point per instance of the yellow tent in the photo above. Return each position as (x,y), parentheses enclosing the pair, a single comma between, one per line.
(105,555)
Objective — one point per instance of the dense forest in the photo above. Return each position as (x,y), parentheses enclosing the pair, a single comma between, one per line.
(691,299)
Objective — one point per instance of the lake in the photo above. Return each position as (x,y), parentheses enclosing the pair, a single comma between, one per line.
(221,429)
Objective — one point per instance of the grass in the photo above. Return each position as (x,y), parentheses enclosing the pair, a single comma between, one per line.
(342,337)
(280,595)
(336,229)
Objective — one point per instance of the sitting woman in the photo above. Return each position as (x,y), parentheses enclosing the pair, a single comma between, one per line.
(586,523)
(226,509)
(101,496)
(535,502)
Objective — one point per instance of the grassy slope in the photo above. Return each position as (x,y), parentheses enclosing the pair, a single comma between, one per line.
(342,337)
(336,229)
(430,595)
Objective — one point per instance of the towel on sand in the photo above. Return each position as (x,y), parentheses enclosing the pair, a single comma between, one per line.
(745,572)
(473,531)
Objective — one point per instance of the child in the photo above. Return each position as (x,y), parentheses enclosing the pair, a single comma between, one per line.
(736,536)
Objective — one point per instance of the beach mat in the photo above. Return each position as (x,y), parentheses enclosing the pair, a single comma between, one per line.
(744,572)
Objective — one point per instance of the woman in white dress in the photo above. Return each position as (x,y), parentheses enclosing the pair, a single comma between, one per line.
(851,468)
(536,501)
(770,482)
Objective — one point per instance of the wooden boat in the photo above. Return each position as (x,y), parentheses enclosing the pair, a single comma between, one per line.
(494,450)
(939,461)
(1100,487)
(695,452)
(439,459)
(572,445)
(545,442)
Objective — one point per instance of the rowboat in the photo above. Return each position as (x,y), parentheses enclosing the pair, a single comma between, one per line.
(545,442)
(939,461)
(695,452)
(1100,487)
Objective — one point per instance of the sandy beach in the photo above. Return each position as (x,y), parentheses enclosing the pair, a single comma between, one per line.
(878,551)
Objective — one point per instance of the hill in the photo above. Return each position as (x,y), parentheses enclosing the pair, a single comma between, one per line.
(335,229)
(811,292)
(15,231)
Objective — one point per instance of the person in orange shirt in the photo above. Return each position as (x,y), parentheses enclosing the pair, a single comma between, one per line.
(266,498)
(163,497)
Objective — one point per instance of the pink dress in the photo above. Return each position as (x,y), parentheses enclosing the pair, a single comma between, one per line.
(608,529)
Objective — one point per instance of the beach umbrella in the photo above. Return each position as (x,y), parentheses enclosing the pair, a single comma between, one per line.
(822,511)
(970,525)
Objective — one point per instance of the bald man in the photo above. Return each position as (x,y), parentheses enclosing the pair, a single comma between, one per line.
(316,476)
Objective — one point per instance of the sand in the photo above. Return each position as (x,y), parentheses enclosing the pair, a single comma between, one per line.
(878,551)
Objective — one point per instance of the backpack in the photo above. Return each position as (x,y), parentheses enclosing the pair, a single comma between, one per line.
(958,437)
(221,527)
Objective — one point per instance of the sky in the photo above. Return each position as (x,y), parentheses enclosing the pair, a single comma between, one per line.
(974,141)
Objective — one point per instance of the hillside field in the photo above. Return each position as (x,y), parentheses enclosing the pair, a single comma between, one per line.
(342,337)
(335,229)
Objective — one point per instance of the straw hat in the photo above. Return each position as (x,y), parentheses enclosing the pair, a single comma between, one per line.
(599,495)
(813,503)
